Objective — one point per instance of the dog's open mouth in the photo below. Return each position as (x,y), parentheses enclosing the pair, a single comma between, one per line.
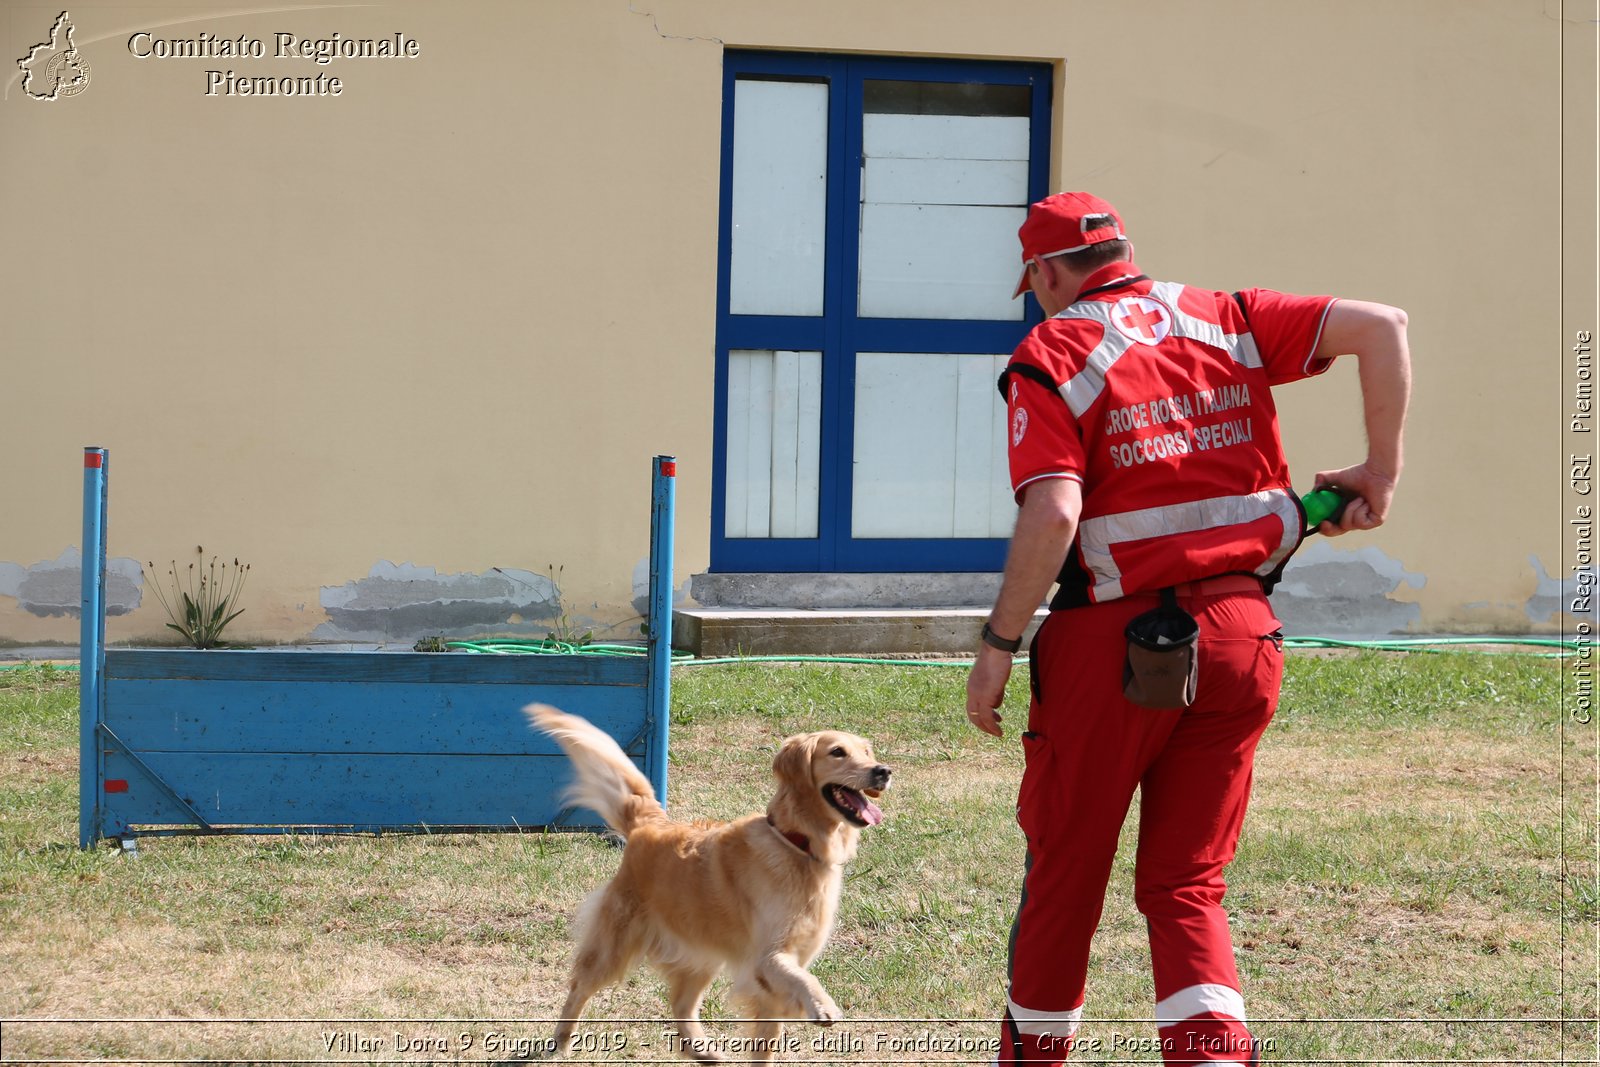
(854,805)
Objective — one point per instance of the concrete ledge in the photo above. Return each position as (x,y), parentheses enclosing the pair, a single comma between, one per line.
(711,632)
(810,591)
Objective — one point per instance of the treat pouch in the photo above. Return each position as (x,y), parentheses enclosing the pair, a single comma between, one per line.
(1162,667)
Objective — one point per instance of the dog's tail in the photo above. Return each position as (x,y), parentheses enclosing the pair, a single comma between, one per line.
(608,782)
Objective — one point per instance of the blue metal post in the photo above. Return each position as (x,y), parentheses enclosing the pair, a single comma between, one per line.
(91,645)
(658,713)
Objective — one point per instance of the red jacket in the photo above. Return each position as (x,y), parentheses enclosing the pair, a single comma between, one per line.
(1156,397)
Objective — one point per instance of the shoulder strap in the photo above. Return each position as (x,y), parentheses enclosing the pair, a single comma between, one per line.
(1029,371)
(1120,283)
(1238,298)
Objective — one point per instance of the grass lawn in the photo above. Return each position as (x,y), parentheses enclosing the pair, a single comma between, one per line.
(1398,896)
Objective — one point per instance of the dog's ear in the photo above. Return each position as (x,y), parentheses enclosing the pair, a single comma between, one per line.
(793,762)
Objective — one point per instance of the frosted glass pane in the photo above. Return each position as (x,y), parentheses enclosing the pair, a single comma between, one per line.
(929,447)
(944,137)
(780,197)
(773,473)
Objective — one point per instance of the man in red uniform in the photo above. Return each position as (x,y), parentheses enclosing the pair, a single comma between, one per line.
(1145,457)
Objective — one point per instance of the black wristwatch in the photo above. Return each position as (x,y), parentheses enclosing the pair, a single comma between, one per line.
(994,640)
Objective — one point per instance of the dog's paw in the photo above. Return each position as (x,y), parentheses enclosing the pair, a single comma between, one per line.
(825,1012)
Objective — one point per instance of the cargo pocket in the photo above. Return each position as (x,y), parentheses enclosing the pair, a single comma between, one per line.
(1033,795)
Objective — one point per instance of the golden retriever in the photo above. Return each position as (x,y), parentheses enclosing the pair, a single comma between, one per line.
(757,895)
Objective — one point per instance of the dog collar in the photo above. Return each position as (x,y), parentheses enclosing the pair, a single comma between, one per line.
(798,840)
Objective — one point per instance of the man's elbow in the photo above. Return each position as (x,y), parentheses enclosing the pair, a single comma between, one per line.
(1383,320)
(1385,350)
(1052,507)
(1057,522)
(1362,327)
(1390,336)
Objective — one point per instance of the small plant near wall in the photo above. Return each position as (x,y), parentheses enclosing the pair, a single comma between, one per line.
(204,598)
(565,633)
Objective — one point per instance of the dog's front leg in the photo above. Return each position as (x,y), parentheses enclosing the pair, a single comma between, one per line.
(788,981)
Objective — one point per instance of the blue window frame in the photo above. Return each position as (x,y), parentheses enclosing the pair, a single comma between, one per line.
(839,333)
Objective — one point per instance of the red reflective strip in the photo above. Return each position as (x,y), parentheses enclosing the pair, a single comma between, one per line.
(116,785)
(94,459)
(669,468)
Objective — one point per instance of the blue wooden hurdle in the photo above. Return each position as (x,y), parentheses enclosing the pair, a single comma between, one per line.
(276,741)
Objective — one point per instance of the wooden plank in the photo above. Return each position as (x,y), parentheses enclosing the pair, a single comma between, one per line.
(808,447)
(301,789)
(758,492)
(785,441)
(138,800)
(997,182)
(978,414)
(939,262)
(1002,502)
(945,136)
(904,451)
(276,665)
(341,717)
(736,478)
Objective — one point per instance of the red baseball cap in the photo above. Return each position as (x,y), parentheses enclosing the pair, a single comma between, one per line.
(1066,222)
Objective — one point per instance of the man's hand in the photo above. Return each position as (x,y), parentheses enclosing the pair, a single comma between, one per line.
(1045,527)
(1370,492)
(986,689)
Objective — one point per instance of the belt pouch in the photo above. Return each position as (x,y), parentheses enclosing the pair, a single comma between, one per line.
(1163,663)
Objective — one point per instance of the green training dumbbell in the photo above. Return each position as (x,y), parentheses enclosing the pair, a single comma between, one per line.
(1324,505)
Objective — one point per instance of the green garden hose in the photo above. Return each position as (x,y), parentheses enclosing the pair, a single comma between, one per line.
(1564,647)
(1485,646)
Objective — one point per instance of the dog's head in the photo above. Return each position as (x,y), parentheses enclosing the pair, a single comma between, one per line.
(831,777)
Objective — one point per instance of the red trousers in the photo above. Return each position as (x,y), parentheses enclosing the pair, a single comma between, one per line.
(1087,748)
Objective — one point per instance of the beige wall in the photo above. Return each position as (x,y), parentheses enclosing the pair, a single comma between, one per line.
(446,317)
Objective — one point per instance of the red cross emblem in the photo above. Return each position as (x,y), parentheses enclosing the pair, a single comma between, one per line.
(1141,319)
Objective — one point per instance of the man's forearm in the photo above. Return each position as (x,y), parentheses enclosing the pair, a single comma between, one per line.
(1385,375)
(1376,335)
(1045,528)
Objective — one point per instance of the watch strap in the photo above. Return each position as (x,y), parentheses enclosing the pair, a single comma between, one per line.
(994,640)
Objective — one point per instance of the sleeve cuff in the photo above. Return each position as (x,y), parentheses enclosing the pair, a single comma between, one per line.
(1314,366)
(1020,486)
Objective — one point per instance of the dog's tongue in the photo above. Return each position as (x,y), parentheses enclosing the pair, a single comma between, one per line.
(866,810)
(871,812)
